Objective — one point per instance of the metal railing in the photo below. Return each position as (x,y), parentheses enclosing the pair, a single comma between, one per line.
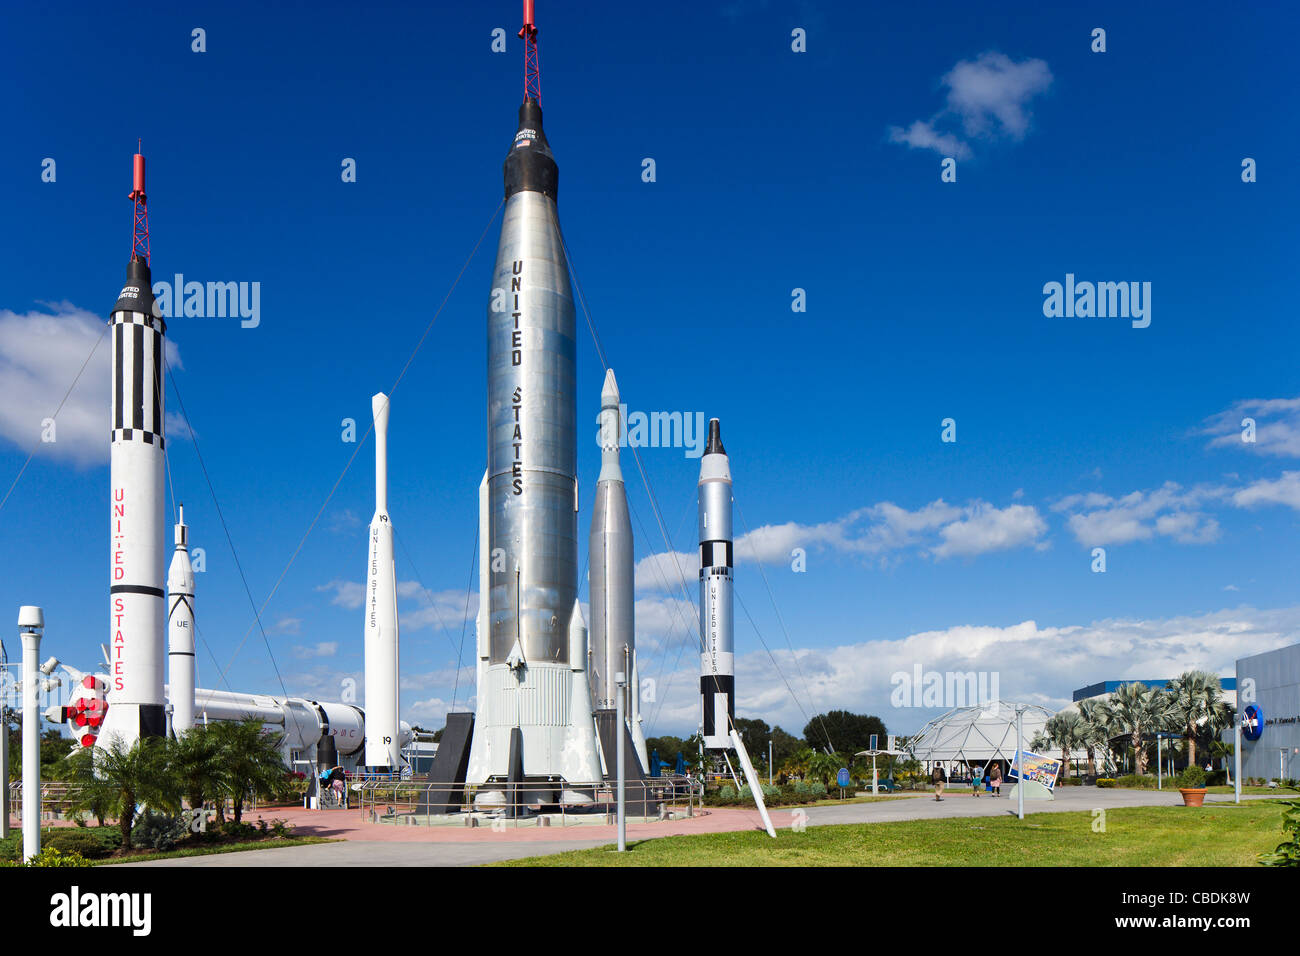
(531,803)
(57,798)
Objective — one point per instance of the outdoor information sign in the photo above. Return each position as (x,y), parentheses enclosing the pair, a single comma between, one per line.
(844,776)
(1038,769)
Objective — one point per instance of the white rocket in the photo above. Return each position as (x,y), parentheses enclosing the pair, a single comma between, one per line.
(137,614)
(381,659)
(180,631)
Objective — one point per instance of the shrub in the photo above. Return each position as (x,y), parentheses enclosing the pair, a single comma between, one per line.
(1105,782)
(236,832)
(818,791)
(52,857)
(1216,778)
(1193,778)
(83,842)
(281,828)
(158,831)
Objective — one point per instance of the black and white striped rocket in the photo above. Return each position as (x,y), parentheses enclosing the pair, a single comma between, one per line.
(137,606)
(717,658)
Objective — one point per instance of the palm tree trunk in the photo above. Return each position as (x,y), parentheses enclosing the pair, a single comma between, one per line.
(1139,755)
(1092,762)
(1191,744)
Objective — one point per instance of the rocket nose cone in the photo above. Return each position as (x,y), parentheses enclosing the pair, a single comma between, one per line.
(529,165)
(137,294)
(609,393)
(714,447)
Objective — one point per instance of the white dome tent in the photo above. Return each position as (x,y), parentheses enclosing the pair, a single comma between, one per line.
(978,735)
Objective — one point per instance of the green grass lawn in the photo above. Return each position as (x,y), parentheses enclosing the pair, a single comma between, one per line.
(1216,835)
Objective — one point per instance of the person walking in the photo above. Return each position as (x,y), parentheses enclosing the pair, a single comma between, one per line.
(995,779)
(976,779)
(936,776)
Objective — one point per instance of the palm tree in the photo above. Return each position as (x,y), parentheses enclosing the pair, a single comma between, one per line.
(194,758)
(1093,729)
(1193,697)
(115,779)
(249,761)
(1066,732)
(1138,710)
(823,767)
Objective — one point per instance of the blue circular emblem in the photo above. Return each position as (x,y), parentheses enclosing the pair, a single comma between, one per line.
(1252,722)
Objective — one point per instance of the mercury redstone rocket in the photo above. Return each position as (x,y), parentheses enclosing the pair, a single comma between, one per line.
(381,637)
(180,631)
(528,723)
(717,659)
(613,641)
(137,612)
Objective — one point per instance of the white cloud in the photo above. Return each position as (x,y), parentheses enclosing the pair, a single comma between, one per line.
(1281,491)
(288,625)
(938,530)
(988,97)
(348,594)
(1167,511)
(1035,664)
(1277,426)
(41,353)
(323,649)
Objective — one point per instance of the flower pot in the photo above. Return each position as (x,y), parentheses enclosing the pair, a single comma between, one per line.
(1193,797)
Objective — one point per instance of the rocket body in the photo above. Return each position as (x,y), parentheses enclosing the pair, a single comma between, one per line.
(611,574)
(137,611)
(532,498)
(717,659)
(381,636)
(180,632)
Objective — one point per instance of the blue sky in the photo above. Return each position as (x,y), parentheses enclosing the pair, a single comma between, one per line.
(775,171)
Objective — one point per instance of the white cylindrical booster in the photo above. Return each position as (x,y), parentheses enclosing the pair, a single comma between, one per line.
(180,631)
(137,613)
(28,618)
(381,659)
(717,658)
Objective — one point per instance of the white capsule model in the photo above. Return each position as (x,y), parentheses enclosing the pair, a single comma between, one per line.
(611,577)
(137,608)
(717,659)
(180,631)
(381,636)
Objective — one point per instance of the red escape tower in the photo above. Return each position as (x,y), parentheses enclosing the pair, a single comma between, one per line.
(532,71)
(140,232)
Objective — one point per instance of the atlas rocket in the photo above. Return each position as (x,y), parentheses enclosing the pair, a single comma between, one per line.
(526,710)
(717,658)
(381,636)
(137,611)
(612,588)
(180,630)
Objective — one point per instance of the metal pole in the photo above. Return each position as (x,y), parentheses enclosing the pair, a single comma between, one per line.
(769,763)
(4,750)
(1020,763)
(30,629)
(1160,767)
(621,679)
(1236,759)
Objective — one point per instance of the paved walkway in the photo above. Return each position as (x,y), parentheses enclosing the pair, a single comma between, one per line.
(370,844)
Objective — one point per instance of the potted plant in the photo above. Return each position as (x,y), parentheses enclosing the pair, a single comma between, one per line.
(1191,784)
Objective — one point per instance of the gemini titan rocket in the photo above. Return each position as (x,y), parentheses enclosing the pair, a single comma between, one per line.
(381,635)
(717,658)
(137,609)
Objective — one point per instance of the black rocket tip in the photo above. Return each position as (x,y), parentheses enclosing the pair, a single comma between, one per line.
(530,165)
(714,447)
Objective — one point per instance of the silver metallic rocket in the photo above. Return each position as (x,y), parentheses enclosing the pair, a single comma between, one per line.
(717,660)
(137,612)
(381,633)
(611,578)
(527,679)
(180,631)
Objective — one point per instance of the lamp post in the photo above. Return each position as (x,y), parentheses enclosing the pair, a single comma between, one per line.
(1236,760)
(4,745)
(769,761)
(621,679)
(1020,761)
